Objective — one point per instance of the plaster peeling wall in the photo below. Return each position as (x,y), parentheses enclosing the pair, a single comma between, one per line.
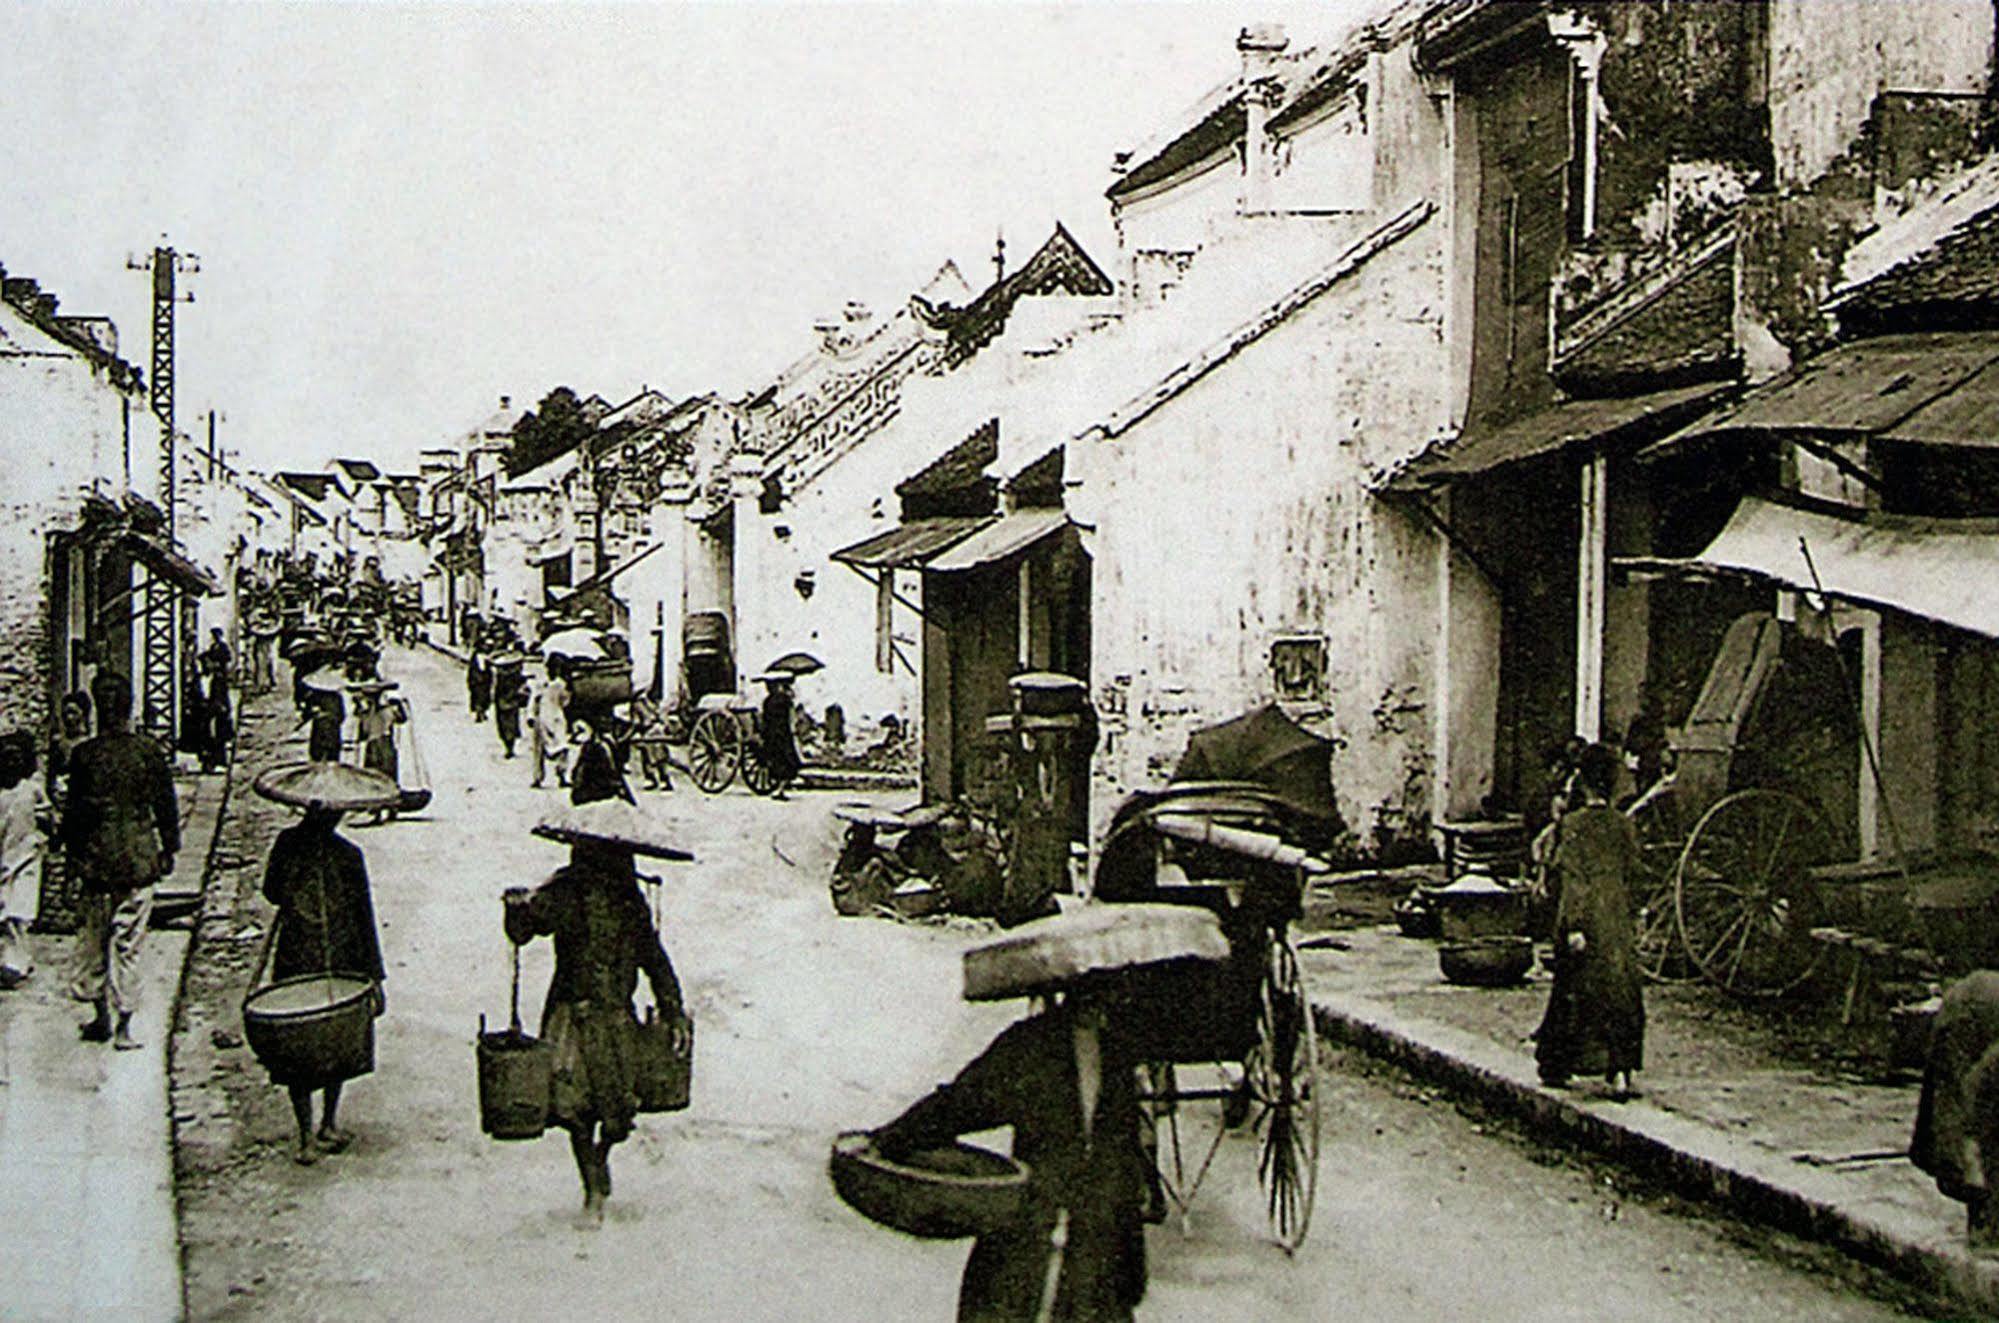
(1829,59)
(62,428)
(1197,575)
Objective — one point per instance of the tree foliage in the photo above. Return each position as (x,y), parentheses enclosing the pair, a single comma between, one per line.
(548,431)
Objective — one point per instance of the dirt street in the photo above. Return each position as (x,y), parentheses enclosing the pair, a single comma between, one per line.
(806,1024)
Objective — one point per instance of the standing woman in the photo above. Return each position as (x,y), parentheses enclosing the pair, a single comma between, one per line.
(603,936)
(325,922)
(777,740)
(1595,1021)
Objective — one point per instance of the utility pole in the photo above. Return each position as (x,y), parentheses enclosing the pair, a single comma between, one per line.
(162,616)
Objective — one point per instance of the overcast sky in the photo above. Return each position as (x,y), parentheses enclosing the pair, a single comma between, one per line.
(404,211)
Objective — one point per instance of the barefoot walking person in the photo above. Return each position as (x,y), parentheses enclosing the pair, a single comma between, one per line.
(120,831)
(604,936)
(1595,1021)
(325,921)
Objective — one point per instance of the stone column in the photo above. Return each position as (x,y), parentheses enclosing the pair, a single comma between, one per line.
(751,595)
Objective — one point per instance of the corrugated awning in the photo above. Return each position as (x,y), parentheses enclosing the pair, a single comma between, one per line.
(1479,450)
(1905,387)
(168,564)
(1939,569)
(910,545)
(1009,536)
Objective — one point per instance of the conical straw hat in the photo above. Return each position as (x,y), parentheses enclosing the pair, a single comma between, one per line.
(326,682)
(1049,954)
(614,822)
(328,786)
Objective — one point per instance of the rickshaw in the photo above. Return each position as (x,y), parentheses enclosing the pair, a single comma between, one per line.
(727,739)
(1731,834)
(1239,1036)
(727,735)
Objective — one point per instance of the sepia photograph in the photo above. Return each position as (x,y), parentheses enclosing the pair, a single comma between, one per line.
(1024,661)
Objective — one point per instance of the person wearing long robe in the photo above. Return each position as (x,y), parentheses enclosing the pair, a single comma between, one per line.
(1595,1020)
(1066,1081)
(604,937)
(1957,1115)
(325,924)
(777,741)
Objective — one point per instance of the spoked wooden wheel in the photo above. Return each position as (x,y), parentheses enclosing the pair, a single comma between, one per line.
(714,751)
(1743,901)
(1282,1073)
(1661,955)
(1187,1138)
(756,773)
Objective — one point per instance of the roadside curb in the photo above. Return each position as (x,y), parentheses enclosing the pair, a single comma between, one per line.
(1695,1159)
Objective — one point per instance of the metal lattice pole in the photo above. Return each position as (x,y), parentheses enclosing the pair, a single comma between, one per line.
(162,621)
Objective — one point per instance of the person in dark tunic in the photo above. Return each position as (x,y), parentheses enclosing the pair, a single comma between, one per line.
(777,741)
(328,713)
(120,830)
(1595,1020)
(325,924)
(478,683)
(510,695)
(604,936)
(1066,1081)
(1957,1116)
(595,774)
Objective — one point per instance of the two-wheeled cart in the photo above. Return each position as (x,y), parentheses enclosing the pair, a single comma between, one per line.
(1731,836)
(1231,1047)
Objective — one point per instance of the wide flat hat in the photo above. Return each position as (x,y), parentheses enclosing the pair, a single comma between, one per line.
(326,682)
(613,822)
(1050,954)
(328,786)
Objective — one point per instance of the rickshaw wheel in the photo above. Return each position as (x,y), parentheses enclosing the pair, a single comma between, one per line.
(714,751)
(1661,956)
(1283,1076)
(1743,901)
(756,774)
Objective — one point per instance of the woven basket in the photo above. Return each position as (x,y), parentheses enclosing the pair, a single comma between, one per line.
(939,1194)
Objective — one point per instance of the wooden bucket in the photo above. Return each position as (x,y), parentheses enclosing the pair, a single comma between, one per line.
(664,1077)
(515,1071)
(313,1030)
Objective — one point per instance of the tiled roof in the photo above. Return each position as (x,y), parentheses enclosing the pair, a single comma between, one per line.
(1059,265)
(361,469)
(1307,79)
(313,485)
(38,306)
(1951,285)
(956,479)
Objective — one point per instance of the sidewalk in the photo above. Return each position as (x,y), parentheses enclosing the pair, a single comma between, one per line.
(86,1144)
(1718,1119)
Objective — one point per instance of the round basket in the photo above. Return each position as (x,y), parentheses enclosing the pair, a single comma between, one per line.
(314,1030)
(1488,962)
(938,1194)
